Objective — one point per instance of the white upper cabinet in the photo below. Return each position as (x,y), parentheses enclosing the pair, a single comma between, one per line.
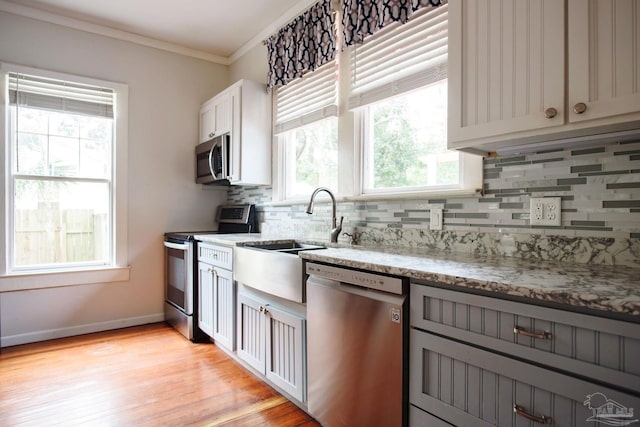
(215,117)
(604,58)
(207,121)
(509,87)
(250,160)
(244,111)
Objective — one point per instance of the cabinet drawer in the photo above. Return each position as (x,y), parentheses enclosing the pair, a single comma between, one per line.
(603,349)
(219,256)
(420,418)
(465,385)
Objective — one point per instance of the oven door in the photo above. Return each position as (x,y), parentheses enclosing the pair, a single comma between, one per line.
(179,276)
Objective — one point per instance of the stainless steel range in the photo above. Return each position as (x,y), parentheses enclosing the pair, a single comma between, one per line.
(181,278)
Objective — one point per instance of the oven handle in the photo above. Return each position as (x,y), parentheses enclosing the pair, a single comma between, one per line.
(179,246)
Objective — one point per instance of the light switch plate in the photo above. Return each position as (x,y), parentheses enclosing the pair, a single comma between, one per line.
(435,219)
(546,211)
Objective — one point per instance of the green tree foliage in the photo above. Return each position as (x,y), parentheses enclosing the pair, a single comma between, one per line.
(316,156)
(396,152)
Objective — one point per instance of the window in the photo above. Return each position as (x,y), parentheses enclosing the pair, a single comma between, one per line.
(65,192)
(391,125)
(406,142)
(307,133)
(311,158)
(399,95)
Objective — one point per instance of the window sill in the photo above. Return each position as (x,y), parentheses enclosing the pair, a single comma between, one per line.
(43,280)
(441,194)
(426,194)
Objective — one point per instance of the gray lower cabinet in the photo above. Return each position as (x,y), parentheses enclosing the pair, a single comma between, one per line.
(484,361)
(271,340)
(205,298)
(217,294)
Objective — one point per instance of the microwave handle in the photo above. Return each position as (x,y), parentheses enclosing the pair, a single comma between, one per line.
(213,174)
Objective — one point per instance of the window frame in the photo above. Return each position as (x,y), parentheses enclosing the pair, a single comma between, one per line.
(352,133)
(309,112)
(117,270)
(366,153)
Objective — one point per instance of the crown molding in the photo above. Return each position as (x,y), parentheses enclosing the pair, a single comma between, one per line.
(101,30)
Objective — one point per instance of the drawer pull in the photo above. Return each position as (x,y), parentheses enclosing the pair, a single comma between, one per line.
(519,410)
(542,335)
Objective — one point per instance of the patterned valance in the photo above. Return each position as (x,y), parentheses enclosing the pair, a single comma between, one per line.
(361,18)
(302,45)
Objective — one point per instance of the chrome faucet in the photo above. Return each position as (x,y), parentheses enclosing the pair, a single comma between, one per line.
(335,231)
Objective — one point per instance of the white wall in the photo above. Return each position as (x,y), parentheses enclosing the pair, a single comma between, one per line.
(252,65)
(165,92)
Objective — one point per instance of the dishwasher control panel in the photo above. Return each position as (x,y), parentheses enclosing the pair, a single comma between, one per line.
(354,277)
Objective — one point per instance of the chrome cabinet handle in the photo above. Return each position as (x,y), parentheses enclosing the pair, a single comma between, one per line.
(519,410)
(541,335)
(211,135)
(550,113)
(263,309)
(580,108)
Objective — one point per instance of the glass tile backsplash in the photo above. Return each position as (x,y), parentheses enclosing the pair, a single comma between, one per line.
(599,188)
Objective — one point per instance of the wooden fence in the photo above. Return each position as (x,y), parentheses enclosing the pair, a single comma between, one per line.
(48,235)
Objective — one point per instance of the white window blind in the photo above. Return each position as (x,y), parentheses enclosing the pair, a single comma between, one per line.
(307,100)
(59,95)
(400,58)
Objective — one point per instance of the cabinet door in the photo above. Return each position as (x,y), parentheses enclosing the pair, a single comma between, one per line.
(205,298)
(604,350)
(285,351)
(207,122)
(604,58)
(223,109)
(251,332)
(467,386)
(506,67)
(224,313)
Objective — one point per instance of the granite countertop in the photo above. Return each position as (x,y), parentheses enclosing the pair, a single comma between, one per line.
(229,239)
(610,289)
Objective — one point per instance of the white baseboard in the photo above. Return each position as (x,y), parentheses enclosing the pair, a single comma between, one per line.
(50,334)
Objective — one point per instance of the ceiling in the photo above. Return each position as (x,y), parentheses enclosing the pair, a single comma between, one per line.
(215,30)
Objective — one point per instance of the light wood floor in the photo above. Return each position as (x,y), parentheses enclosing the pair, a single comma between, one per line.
(142,376)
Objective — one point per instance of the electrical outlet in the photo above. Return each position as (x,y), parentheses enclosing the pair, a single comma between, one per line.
(435,219)
(545,211)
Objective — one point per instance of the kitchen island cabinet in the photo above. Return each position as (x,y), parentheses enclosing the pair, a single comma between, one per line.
(509,90)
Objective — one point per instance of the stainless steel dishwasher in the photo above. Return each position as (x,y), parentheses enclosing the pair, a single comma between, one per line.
(357,334)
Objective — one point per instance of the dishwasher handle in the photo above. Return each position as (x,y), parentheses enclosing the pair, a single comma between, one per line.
(363,279)
(347,288)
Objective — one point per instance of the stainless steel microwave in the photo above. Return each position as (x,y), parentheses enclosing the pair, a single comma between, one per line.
(213,160)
